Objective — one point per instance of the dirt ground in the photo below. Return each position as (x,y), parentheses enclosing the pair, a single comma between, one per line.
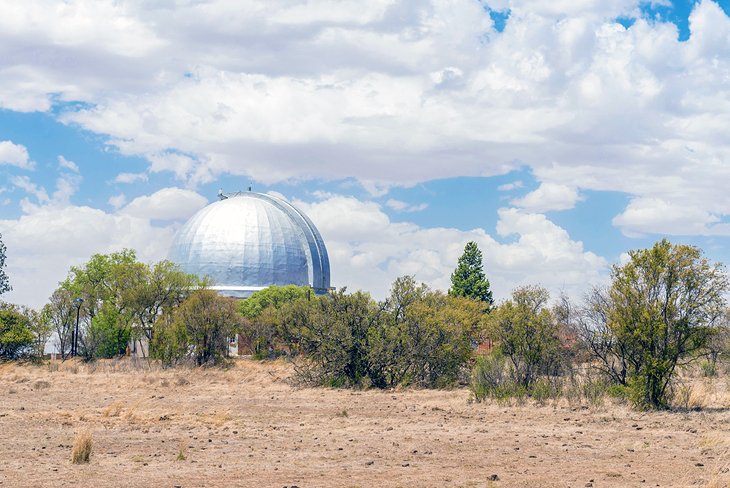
(247,426)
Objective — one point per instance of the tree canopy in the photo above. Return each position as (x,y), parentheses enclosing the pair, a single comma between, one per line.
(16,336)
(122,299)
(660,311)
(468,278)
(4,280)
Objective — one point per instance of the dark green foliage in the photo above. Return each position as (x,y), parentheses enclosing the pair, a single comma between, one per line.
(16,337)
(198,329)
(261,328)
(273,296)
(661,311)
(424,338)
(417,336)
(4,281)
(468,278)
(332,333)
(106,337)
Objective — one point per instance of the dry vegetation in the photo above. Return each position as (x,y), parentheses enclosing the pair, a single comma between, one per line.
(246,426)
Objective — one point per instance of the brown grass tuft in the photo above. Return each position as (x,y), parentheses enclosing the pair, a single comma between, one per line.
(81,450)
(113,410)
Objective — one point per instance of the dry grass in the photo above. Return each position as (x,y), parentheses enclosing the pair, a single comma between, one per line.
(81,450)
(214,428)
(113,410)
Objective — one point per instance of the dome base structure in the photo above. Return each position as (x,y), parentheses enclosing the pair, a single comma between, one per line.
(248,241)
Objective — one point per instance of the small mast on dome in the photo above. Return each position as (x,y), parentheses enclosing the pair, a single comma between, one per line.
(225,196)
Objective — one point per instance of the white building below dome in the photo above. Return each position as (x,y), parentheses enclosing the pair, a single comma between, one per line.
(248,241)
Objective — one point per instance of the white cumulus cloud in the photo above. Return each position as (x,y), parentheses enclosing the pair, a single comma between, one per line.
(368,251)
(15,155)
(166,204)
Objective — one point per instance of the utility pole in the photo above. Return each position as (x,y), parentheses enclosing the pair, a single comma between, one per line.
(75,345)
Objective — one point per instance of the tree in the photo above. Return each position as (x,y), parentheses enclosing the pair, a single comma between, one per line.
(4,281)
(41,328)
(272,296)
(61,313)
(468,278)
(332,333)
(199,328)
(526,332)
(102,283)
(424,337)
(417,336)
(659,312)
(262,327)
(151,290)
(16,338)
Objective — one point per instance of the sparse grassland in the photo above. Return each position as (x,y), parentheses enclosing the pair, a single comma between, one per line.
(247,426)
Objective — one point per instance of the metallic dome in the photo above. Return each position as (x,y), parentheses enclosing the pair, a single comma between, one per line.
(248,241)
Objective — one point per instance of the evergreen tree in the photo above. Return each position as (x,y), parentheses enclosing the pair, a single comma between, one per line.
(468,278)
(4,281)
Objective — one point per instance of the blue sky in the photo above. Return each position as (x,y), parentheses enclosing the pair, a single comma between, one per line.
(558,135)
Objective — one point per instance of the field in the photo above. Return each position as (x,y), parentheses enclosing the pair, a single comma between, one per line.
(247,426)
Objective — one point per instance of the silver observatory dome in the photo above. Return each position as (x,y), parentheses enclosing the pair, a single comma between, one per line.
(248,241)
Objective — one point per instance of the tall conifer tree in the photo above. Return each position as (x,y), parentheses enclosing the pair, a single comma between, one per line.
(4,281)
(468,278)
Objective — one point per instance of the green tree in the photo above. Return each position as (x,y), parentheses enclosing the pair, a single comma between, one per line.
(4,281)
(262,328)
(199,329)
(660,312)
(468,278)
(16,337)
(424,337)
(332,333)
(40,325)
(417,336)
(102,283)
(272,296)
(151,290)
(526,332)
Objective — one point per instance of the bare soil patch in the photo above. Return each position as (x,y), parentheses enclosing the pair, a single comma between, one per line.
(246,426)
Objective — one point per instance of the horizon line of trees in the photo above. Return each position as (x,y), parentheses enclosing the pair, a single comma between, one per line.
(663,309)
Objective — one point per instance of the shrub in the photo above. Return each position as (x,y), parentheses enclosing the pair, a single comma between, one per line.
(488,374)
(198,329)
(15,335)
(528,335)
(416,336)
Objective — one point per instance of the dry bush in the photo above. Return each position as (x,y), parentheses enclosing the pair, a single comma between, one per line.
(41,385)
(81,450)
